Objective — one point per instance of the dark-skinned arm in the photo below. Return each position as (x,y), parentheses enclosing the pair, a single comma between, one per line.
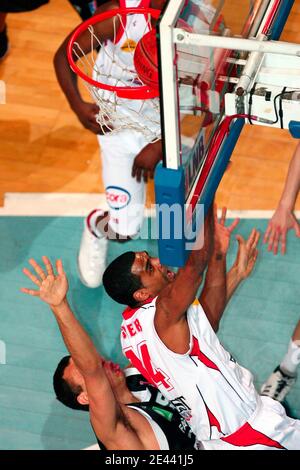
(176,297)
(213,297)
(67,79)
(244,262)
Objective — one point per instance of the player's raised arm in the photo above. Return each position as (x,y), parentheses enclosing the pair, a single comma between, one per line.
(68,79)
(213,297)
(174,299)
(107,415)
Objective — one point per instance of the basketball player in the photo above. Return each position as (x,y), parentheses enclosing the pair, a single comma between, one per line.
(141,419)
(88,382)
(284,218)
(118,150)
(171,339)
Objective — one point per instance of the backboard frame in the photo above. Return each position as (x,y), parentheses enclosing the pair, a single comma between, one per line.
(169,177)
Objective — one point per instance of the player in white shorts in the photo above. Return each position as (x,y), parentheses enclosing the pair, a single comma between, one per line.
(172,341)
(124,182)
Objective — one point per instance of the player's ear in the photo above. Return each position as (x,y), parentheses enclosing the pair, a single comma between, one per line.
(141,295)
(83,398)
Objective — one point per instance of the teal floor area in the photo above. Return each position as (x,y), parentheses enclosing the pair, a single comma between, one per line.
(256,327)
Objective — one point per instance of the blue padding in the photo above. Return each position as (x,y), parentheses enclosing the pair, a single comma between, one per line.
(169,191)
(281,18)
(294,128)
(221,163)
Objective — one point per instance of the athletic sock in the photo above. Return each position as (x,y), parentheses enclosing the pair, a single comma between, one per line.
(291,360)
(92,222)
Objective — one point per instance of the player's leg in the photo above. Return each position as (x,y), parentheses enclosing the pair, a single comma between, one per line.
(125,198)
(284,376)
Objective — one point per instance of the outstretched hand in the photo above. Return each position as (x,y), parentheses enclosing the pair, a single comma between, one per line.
(247,254)
(282,221)
(222,233)
(52,288)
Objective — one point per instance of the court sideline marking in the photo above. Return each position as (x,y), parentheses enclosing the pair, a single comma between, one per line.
(80,204)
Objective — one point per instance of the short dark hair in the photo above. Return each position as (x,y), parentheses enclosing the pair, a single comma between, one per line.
(119,282)
(65,392)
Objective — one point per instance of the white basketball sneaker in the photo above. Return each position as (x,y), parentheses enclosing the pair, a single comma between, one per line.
(278,385)
(92,253)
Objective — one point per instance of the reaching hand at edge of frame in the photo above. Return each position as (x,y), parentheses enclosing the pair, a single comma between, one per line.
(51,288)
(282,221)
(247,254)
(223,233)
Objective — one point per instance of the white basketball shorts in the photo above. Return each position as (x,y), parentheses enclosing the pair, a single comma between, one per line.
(124,195)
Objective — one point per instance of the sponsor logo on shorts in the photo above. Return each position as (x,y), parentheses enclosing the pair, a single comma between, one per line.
(117,198)
(128,46)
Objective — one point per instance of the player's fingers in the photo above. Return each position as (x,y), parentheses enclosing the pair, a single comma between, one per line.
(59,267)
(223,215)
(37,268)
(251,238)
(233,225)
(239,238)
(283,242)
(145,175)
(297,228)
(48,265)
(133,171)
(138,174)
(276,243)
(32,277)
(267,233)
(271,238)
(35,293)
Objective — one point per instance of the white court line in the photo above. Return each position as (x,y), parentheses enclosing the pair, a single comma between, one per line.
(80,204)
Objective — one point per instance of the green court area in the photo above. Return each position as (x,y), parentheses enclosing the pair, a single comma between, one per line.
(256,327)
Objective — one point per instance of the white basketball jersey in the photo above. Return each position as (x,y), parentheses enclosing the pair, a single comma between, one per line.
(214,393)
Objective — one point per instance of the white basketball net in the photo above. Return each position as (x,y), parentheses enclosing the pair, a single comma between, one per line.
(105,65)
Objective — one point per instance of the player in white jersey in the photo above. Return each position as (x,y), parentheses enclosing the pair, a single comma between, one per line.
(172,341)
(145,418)
(128,157)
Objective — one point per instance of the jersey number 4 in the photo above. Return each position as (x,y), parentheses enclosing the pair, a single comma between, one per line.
(146,368)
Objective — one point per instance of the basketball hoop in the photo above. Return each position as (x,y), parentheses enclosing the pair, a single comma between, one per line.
(124,101)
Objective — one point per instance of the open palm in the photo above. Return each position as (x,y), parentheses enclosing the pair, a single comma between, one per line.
(52,288)
(223,233)
(247,253)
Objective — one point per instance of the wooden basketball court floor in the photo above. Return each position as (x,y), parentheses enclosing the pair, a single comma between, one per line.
(44,151)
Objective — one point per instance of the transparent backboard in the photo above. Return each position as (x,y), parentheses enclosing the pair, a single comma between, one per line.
(200,75)
(198,139)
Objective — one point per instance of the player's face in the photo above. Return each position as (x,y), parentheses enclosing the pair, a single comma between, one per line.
(153,275)
(73,376)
